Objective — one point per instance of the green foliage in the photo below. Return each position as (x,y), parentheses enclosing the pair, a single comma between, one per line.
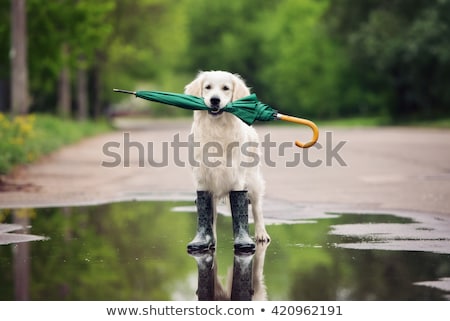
(315,58)
(403,47)
(82,27)
(302,77)
(122,42)
(284,52)
(24,139)
(226,35)
(355,122)
(146,47)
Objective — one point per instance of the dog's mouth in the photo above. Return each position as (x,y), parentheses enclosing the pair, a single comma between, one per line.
(215,111)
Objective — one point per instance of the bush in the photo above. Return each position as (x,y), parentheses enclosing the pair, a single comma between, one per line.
(23,139)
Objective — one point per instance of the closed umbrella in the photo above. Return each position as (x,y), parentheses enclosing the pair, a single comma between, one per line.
(249,109)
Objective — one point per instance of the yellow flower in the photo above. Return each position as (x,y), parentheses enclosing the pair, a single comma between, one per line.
(24,124)
(25,212)
(3,214)
(26,128)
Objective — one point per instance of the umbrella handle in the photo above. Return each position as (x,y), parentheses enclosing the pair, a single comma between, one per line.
(302,121)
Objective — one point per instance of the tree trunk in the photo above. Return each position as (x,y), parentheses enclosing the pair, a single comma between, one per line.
(97,91)
(20,99)
(64,91)
(82,93)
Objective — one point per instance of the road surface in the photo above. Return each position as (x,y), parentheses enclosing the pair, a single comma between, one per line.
(356,169)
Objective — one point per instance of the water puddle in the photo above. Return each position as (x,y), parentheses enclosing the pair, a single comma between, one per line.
(137,251)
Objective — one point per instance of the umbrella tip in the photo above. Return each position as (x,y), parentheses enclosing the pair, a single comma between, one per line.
(124,91)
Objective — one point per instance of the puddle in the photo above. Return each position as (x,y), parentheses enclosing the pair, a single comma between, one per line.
(137,251)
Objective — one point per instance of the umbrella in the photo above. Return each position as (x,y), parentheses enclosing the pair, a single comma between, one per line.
(249,109)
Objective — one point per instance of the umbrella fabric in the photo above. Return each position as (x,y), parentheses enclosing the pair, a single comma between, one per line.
(249,109)
(179,100)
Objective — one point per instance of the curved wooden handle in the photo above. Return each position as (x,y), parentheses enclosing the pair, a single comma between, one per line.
(302,121)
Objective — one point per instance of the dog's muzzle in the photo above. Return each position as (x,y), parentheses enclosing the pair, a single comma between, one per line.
(214,108)
(215,111)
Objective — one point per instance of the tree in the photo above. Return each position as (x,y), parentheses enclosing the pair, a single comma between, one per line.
(103,44)
(404,50)
(282,50)
(229,37)
(20,99)
(60,33)
(303,66)
(64,85)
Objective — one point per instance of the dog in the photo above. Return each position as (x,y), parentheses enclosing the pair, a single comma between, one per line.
(225,135)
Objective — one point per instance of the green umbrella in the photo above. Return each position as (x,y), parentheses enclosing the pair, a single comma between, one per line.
(249,109)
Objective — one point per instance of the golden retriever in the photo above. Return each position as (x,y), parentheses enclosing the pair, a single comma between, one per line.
(228,154)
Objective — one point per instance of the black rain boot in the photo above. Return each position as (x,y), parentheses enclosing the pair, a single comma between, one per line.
(239,212)
(204,239)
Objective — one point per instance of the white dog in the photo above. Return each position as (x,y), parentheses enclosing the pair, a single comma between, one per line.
(228,155)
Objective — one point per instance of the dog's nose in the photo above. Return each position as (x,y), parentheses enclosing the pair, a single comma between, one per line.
(215,101)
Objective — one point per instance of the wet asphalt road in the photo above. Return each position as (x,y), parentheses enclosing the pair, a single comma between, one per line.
(380,169)
(404,172)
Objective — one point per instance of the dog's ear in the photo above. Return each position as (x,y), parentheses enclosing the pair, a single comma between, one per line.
(240,88)
(195,87)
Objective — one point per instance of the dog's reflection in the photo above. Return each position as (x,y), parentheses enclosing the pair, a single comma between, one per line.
(245,281)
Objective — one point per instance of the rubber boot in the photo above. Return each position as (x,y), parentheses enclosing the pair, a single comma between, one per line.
(204,239)
(239,213)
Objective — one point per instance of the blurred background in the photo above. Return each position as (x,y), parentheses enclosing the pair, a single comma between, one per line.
(314,58)
(347,62)
(372,62)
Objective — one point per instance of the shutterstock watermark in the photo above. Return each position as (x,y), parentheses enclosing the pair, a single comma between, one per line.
(188,152)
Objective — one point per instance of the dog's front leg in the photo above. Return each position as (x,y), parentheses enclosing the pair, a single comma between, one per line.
(261,234)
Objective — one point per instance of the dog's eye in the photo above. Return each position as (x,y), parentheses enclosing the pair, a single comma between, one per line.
(208,87)
(225,88)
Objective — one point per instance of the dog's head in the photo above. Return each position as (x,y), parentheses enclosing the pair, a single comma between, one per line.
(217,88)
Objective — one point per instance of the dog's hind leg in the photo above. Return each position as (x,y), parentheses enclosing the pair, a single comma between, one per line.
(239,212)
(205,238)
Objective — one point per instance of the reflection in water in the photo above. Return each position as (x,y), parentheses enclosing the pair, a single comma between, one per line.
(244,283)
(21,260)
(137,251)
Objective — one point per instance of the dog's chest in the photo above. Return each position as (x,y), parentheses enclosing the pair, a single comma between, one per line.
(218,152)
(218,156)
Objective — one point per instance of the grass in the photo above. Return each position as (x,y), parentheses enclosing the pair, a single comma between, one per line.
(378,121)
(437,123)
(355,122)
(23,139)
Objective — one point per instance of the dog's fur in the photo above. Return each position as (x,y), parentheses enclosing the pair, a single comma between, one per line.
(225,135)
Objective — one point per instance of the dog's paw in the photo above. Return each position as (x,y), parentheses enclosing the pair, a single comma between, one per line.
(261,236)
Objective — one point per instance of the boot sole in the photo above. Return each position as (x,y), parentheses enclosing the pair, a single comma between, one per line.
(192,249)
(244,248)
